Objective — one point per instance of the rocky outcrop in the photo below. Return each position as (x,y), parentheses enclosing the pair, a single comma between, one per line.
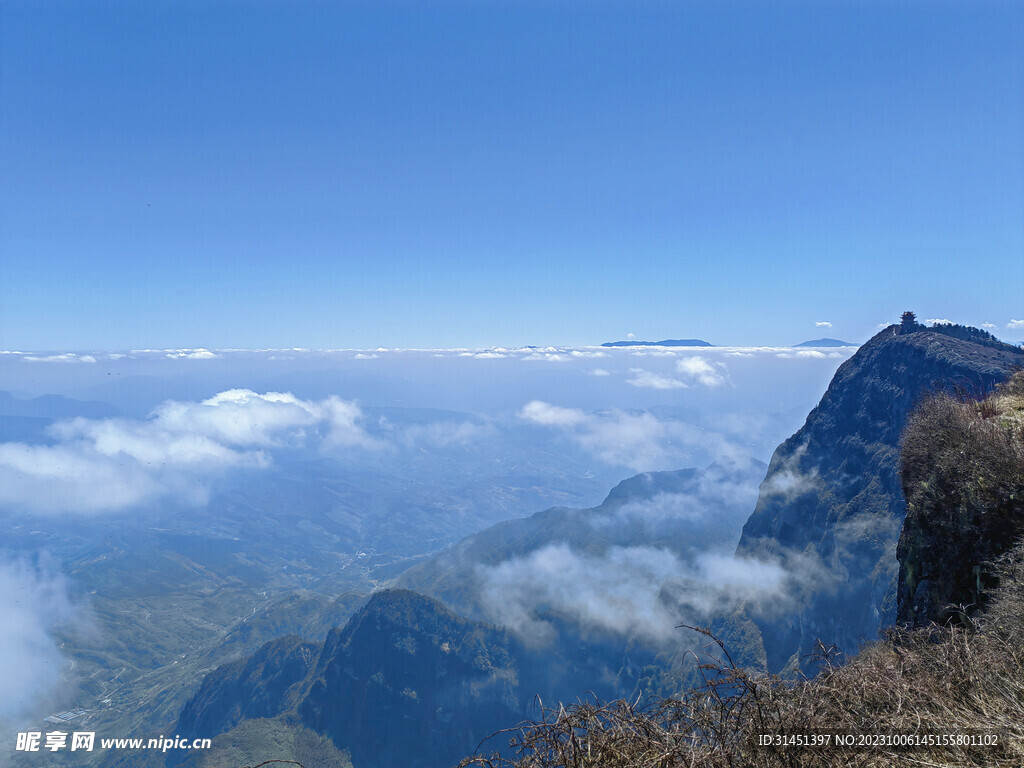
(832,504)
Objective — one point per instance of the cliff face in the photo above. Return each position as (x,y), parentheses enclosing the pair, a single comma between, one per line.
(405,683)
(408,683)
(832,494)
(962,470)
(257,686)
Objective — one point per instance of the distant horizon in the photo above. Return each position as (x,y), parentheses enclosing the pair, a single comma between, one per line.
(57,350)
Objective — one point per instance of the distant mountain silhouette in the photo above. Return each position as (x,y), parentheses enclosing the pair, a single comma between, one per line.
(665,343)
(826,343)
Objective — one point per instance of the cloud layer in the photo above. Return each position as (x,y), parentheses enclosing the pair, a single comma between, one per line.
(638,592)
(96,465)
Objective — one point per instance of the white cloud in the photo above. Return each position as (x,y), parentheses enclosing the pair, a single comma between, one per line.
(810,353)
(33,601)
(701,371)
(586,353)
(551,357)
(654,353)
(364,356)
(67,357)
(939,321)
(549,415)
(630,335)
(823,324)
(192,354)
(442,434)
(643,378)
(110,464)
(599,372)
(642,592)
(639,441)
(1015,324)
(617,591)
(988,325)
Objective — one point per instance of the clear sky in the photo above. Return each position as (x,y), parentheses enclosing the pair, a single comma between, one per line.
(423,174)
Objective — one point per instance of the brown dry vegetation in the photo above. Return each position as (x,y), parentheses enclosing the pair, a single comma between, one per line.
(927,681)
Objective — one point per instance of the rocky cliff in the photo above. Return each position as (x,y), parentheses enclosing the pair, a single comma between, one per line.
(832,500)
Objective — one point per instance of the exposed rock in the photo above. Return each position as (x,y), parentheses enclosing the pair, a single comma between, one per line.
(832,495)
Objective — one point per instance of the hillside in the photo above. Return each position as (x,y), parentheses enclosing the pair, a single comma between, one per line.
(404,683)
(832,494)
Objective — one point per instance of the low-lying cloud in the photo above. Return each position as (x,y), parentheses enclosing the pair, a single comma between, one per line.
(701,371)
(96,465)
(638,592)
(33,601)
(644,378)
(639,441)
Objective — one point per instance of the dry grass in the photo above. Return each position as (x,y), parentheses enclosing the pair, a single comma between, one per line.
(928,681)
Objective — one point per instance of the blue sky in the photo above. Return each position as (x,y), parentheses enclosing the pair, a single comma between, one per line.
(354,174)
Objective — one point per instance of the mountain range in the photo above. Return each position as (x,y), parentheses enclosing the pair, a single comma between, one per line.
(664,343)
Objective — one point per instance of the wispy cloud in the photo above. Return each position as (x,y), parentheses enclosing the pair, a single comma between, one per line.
(823,324)
(549,415)
(701,371)
(192,354)
(1015,324)
(67,357)
(644,378)
(33,602)
(939,321)
(639,441)
(639,592)
(97,465)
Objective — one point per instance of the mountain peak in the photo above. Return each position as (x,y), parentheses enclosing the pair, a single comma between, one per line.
(832,492)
